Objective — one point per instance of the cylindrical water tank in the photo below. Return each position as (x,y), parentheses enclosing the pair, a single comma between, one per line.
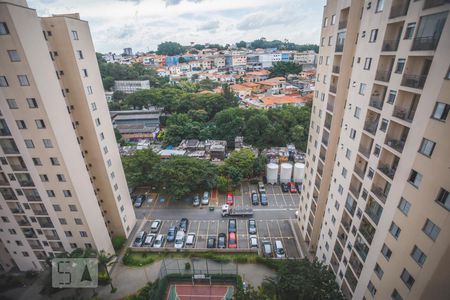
(299,172)
(272,173)
(285,172)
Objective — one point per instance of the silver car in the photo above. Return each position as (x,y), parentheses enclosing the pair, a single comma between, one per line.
(159,241)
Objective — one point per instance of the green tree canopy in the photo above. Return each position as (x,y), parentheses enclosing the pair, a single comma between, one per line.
(243,160)
(170,48)
(138,167)
(284,68)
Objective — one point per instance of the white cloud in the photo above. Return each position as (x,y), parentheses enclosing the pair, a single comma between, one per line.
(143,24)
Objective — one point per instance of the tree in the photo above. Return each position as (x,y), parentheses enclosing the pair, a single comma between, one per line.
(138,167)
(301,280)
(118,96)
(241,44)
(106,260)
(223,184)
(170,48)
(284,68)
(108,83)
(243,160)
(207,84)
(181,60)
(119,138)
(180,127)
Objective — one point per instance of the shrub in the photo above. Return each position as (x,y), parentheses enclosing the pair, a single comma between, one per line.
(118,242)
(187,266)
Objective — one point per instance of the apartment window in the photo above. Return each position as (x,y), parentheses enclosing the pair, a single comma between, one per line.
(395,230)
(73,207)
(83,234)
(377,150)
(340,189)
(97,122)
(371,288)
(89,90)
(344,172)
(12,104)
(348,153)
(431,229)
(109,163)
(102,136)
(324,79)
(23,80)
(32,103)
(404,206)
(73,245)
(387,253)
(395,295)
(440,111)
(327,61)
(63,221)
(378,271)
(384,125)
(415,178)
(113,175)
(373,35)
(325,22)
(352,133)
(427,147)
(80,54)
(51,193)
(12,231)
(418,256)
(380,6)
(61,177)
(3,81)
(54,161)
(19,243)
(116,187)
(322,97)
(75,35)
(29,144)
(391,97)
(330,41)
(68,233)
(47,143)
(93,106)
(367,63)
(407,278)
(3,28)
(357,112)
(362,88)
(85,73)
(67,193)
(105,149)
(13,55)
(78,221)
(447,76)
(409,31)
(21,124)
(322,42)
(400,65)
(443,198)
(40,124)
(333,219)
(37,161)
(88,245)
(44,177)
(333,20)
(56,207)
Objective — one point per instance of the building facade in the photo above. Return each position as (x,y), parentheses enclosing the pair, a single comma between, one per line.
(131,86)
(375,205)
(62,184)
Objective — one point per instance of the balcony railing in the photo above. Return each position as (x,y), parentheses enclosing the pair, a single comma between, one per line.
(23,223)
(414,81)
(401,113)
(336,69)
(387,170)
(379,193)
(342,24)
(355,190)
(396,144)
(342,238)
(346,225)
(425,43)
(376,102)
(40,212)
(399,10)
(33,197)
(359,171)
(17,210)
(371,126)
(330,106)
(17,167)
(26,183)
(333,89)
(383,76)
(351,207)
(364,151)
(339,47)
(434,3)
(2,182)
(390,45)
(322,156)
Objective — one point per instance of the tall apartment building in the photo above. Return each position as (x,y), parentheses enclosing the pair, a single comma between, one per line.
(62,185)
(375,206)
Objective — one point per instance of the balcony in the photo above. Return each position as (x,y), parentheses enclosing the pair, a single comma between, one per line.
(396,136)
(383,75)
(339,47)
(15,208)
(406,105)
(40,255)
(365,145)
(45,222)
(361,248)
(333,89)
(336,69)
(32,195)
(387,170)
(4,130)
(356,264)
(38,209)
(51,234)
(328,120)
(390,45)
(338,251)
(399,8)
(380,188)
(29,233)
(351,279)
(320,168)
(350,205)
(325,137)
(355,186)
(330,103)
(434,3)
(342,25)
(17,163)
(371,126)
(9,146)
(346,221)
(360,167)
(35,244)
(334,264)
(57,246)
(374,210)
(425,43)
(24,179)
(416,71)
(322,153)
(22,221)
(317,182)
(3,179)
(342,236)
(367,230)
(414,81)
(376,102)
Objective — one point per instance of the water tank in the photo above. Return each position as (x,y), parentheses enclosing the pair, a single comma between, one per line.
(299,172)
(285,173)
(272,173)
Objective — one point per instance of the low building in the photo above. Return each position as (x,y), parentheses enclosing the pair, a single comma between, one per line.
(216,149)
(136,125)
(281,100)
(241,91)
(306,57)
(166,153)
(131,86)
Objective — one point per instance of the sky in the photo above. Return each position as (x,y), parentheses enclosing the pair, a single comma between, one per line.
(143,24)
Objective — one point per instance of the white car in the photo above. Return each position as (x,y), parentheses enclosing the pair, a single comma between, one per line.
(159,241)
(155,226)
(149,240)
(179,239)
(253,241)
(190,240)
(205,198)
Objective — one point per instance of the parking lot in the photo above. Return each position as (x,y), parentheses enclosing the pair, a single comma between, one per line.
(266,230)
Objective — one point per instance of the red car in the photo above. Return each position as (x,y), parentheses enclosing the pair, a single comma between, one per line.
(292,187)
(230,199)
(232,243)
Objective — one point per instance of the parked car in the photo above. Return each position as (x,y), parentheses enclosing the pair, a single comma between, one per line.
(211,242)
(266,248)
(232,242)
(222,240)
(159,241)
(139,201)
(184,224)
(232,225)
(292,187)
(196,201)
(263,199)
(252,241)
(179,239)
(205,198)
(298,185)
(139,239)
(251,226)
(172,233)
(190,240)
(156,225)
(149,240)
(279,250)
(284,188)
(230,199)
(261,187)
(254,198)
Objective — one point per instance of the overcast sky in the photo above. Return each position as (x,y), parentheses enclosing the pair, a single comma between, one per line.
(143,24)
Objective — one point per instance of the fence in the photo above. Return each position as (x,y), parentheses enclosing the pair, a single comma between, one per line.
(188,267)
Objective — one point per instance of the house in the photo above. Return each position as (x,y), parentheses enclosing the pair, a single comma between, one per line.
(272,86)
(136,125)
(257,76)
(274,101)
(131,86)
(241,91)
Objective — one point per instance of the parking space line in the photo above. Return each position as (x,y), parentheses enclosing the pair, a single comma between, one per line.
(268,230)
(198,228)
(279,228)
(207,230)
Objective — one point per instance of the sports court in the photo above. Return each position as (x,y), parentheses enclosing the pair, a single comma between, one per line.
(186,291)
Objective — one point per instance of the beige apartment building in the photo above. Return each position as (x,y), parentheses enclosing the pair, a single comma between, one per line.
(62,185)
(375,205)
